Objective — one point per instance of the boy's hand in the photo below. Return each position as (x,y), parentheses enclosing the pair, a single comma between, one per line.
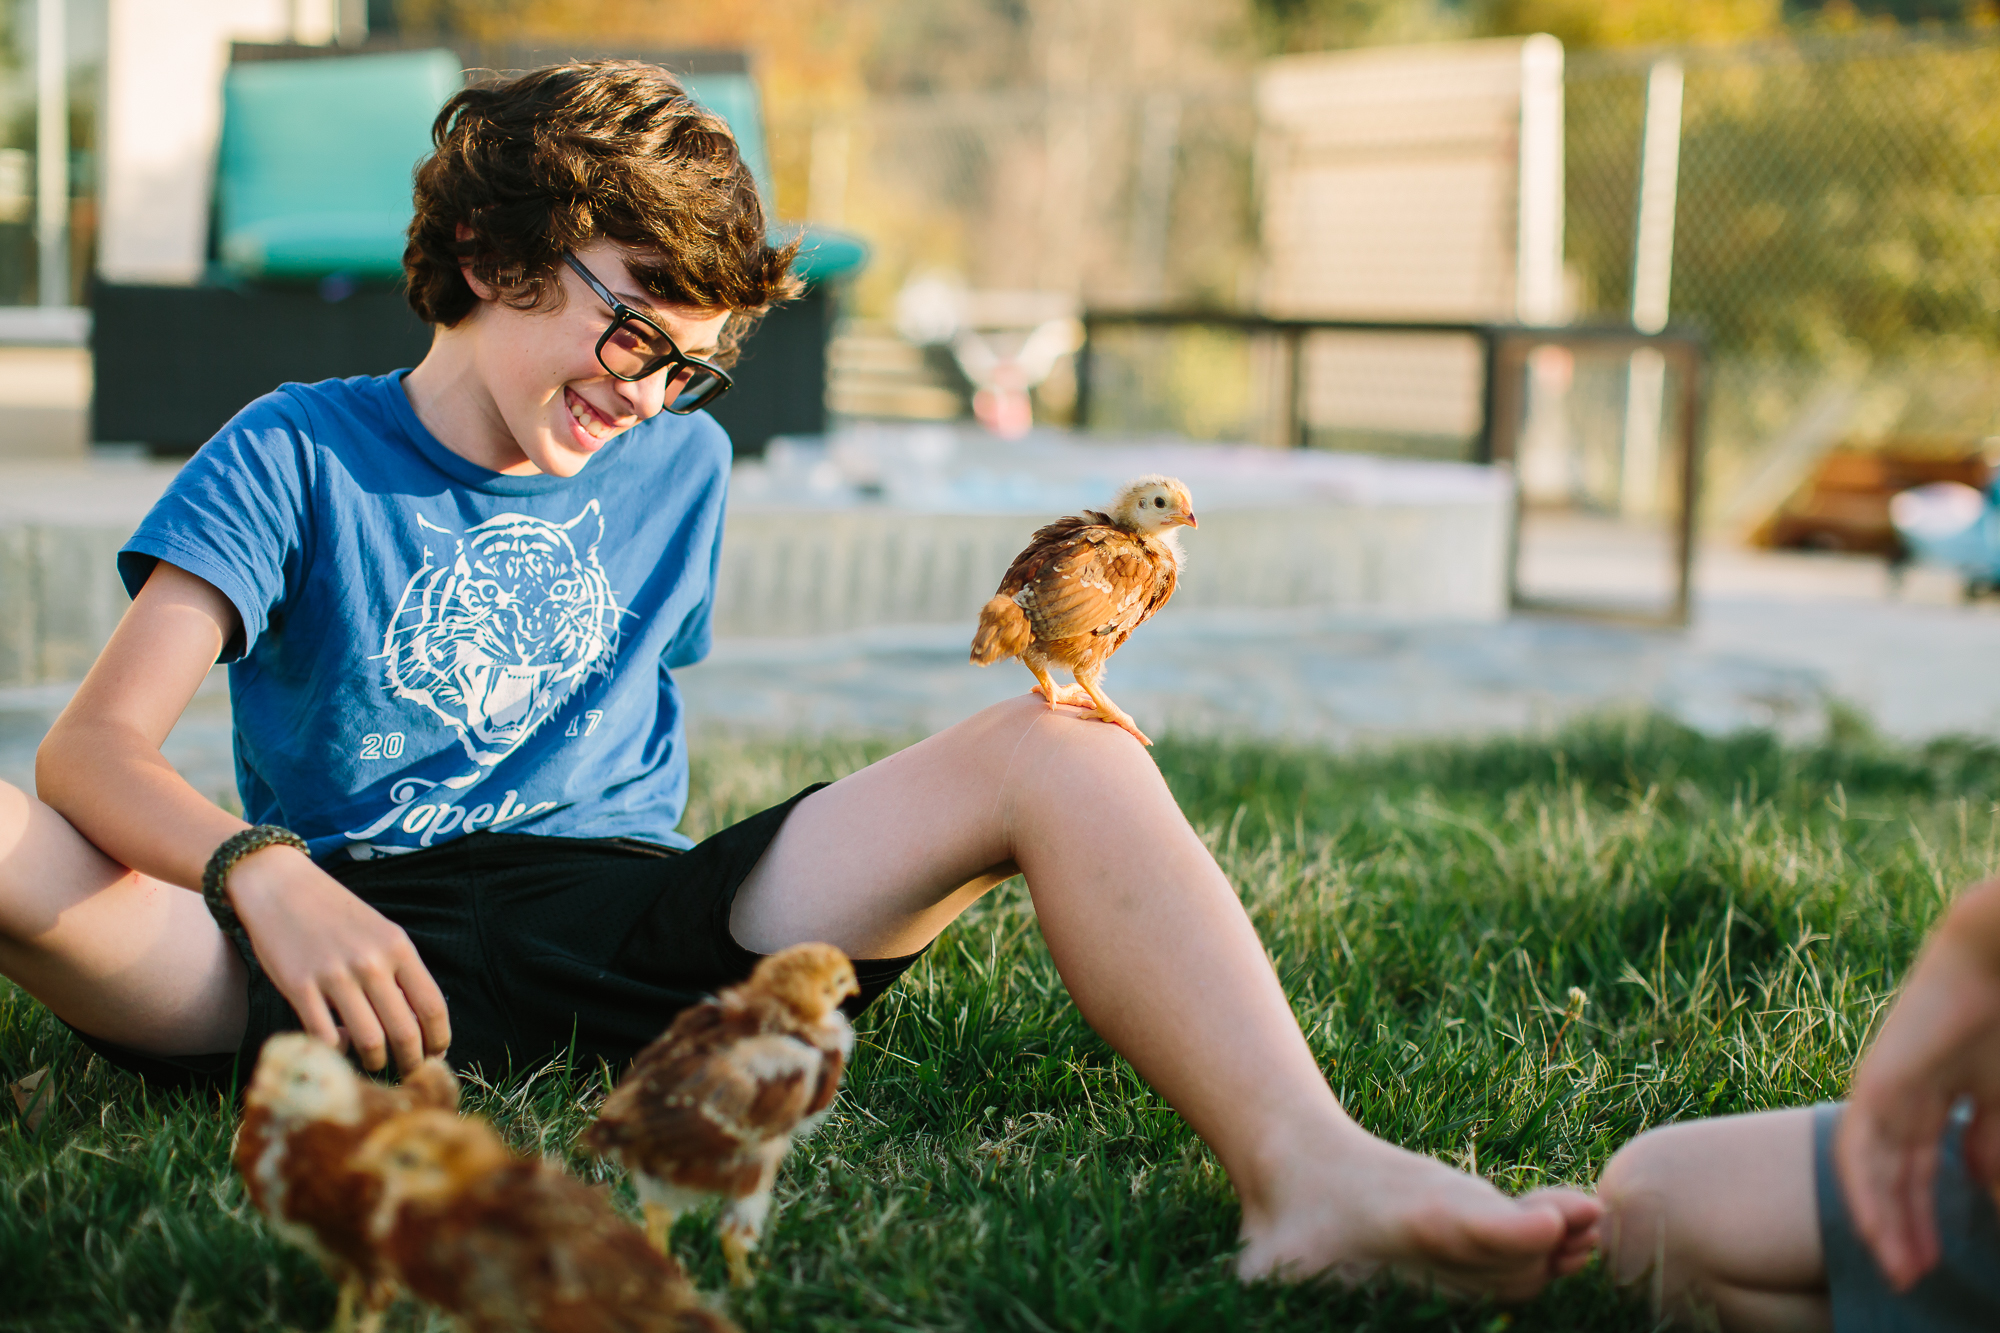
(1941,1042)
(330,953)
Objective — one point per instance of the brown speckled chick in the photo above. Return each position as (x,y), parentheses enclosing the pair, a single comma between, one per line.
(1081,587)
(305,1112)
(507,1244)
(710,1108)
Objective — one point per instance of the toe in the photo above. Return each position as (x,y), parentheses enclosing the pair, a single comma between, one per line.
(1132,729)
(1580,1211)
(1511,1229)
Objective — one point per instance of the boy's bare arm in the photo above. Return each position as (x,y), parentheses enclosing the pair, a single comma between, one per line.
(100,765)
(1940,1043)
(339,962)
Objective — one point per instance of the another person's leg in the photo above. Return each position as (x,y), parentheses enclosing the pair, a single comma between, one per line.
(1161,959)
(1719,1218)
(117,954)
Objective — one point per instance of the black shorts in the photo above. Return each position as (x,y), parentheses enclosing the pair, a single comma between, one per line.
(543,946)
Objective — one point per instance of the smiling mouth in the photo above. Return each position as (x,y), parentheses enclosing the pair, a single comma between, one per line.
(587,417)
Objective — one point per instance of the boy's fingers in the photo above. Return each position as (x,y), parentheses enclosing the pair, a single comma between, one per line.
(1920,1216)
(312,1011)
(1868,1170)
(427,1002)
(362,1026)
(399,1025)
(1905,1241)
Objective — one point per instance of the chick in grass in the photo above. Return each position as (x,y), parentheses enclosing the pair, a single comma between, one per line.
(710,1109)
(305,1113)
(509,1244)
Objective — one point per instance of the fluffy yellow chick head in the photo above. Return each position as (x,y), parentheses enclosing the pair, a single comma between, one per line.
(429,1155)
(1154,505)
(809,979)
(300,1077)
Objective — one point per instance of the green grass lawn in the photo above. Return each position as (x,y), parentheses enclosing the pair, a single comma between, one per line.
(1736,911)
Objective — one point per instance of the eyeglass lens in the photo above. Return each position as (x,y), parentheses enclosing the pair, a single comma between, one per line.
(635,351)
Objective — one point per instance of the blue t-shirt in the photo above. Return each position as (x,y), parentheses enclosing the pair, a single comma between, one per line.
(430,648)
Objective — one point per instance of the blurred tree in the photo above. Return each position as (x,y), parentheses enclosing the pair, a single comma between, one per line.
(1850,13)
(1317,25)
(1323,25)
(809,55)
(1582,24)
(816,60)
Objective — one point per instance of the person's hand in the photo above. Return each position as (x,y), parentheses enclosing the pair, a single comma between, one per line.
(331,954)
(1941,1042)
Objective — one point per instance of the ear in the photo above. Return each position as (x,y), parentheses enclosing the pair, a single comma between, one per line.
(485,291)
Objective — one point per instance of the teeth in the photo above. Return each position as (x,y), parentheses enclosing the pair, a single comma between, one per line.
(584,418)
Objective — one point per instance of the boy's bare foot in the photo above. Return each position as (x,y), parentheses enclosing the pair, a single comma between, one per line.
(1376,1208)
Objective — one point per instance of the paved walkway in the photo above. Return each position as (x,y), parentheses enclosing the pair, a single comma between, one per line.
(1776,638)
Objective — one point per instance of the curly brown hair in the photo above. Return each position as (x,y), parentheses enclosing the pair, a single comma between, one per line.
(550,160)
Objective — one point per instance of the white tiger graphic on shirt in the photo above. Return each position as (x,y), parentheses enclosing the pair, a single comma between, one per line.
(495,636)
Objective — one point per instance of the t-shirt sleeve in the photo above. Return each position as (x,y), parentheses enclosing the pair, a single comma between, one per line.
(235,516)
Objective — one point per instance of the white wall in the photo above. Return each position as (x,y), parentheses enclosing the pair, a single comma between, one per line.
(1411,183)
(162,117)
(1414,182)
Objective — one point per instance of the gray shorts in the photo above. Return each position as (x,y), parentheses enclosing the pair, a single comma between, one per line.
(1960,1295)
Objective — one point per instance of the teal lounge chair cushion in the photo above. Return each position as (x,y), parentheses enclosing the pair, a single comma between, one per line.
(314,173)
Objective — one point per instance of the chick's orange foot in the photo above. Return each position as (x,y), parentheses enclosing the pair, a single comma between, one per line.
(1068,696)
(1124,721)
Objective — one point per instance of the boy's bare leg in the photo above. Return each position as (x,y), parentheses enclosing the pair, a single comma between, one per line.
(1161,959)
(1720,1218)
(120,955)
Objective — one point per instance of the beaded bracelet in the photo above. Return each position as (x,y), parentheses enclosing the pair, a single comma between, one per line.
(215,875)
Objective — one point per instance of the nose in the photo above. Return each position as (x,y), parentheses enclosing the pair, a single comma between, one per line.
(648,396)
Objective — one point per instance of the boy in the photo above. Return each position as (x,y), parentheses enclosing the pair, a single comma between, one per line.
(1876,1215)
(452,599)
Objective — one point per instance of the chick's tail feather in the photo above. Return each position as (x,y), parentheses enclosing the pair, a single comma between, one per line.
(1003,631)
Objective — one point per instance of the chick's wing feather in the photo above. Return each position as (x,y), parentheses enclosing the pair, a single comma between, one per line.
(756,1089)
(1047,544)
(1166,577)
(528,1247)
(827,1084)
(695,1111)
(322,1193)
(1100,584)
(661,1067)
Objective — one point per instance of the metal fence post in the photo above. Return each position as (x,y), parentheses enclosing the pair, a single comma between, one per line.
(1295,387)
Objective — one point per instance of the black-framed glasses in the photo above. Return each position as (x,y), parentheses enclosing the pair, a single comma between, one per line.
(634,347)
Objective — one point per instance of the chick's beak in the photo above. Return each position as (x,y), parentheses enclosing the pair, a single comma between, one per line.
(1188,519)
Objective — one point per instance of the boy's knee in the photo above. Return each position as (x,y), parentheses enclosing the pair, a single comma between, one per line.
(14,805)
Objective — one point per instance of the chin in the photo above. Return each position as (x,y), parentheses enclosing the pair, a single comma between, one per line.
(563,465)
(559,459)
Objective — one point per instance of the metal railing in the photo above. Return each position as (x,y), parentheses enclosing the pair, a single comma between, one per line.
(1504,354)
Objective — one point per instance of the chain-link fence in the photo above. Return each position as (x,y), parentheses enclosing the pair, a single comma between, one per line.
(1837,235)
